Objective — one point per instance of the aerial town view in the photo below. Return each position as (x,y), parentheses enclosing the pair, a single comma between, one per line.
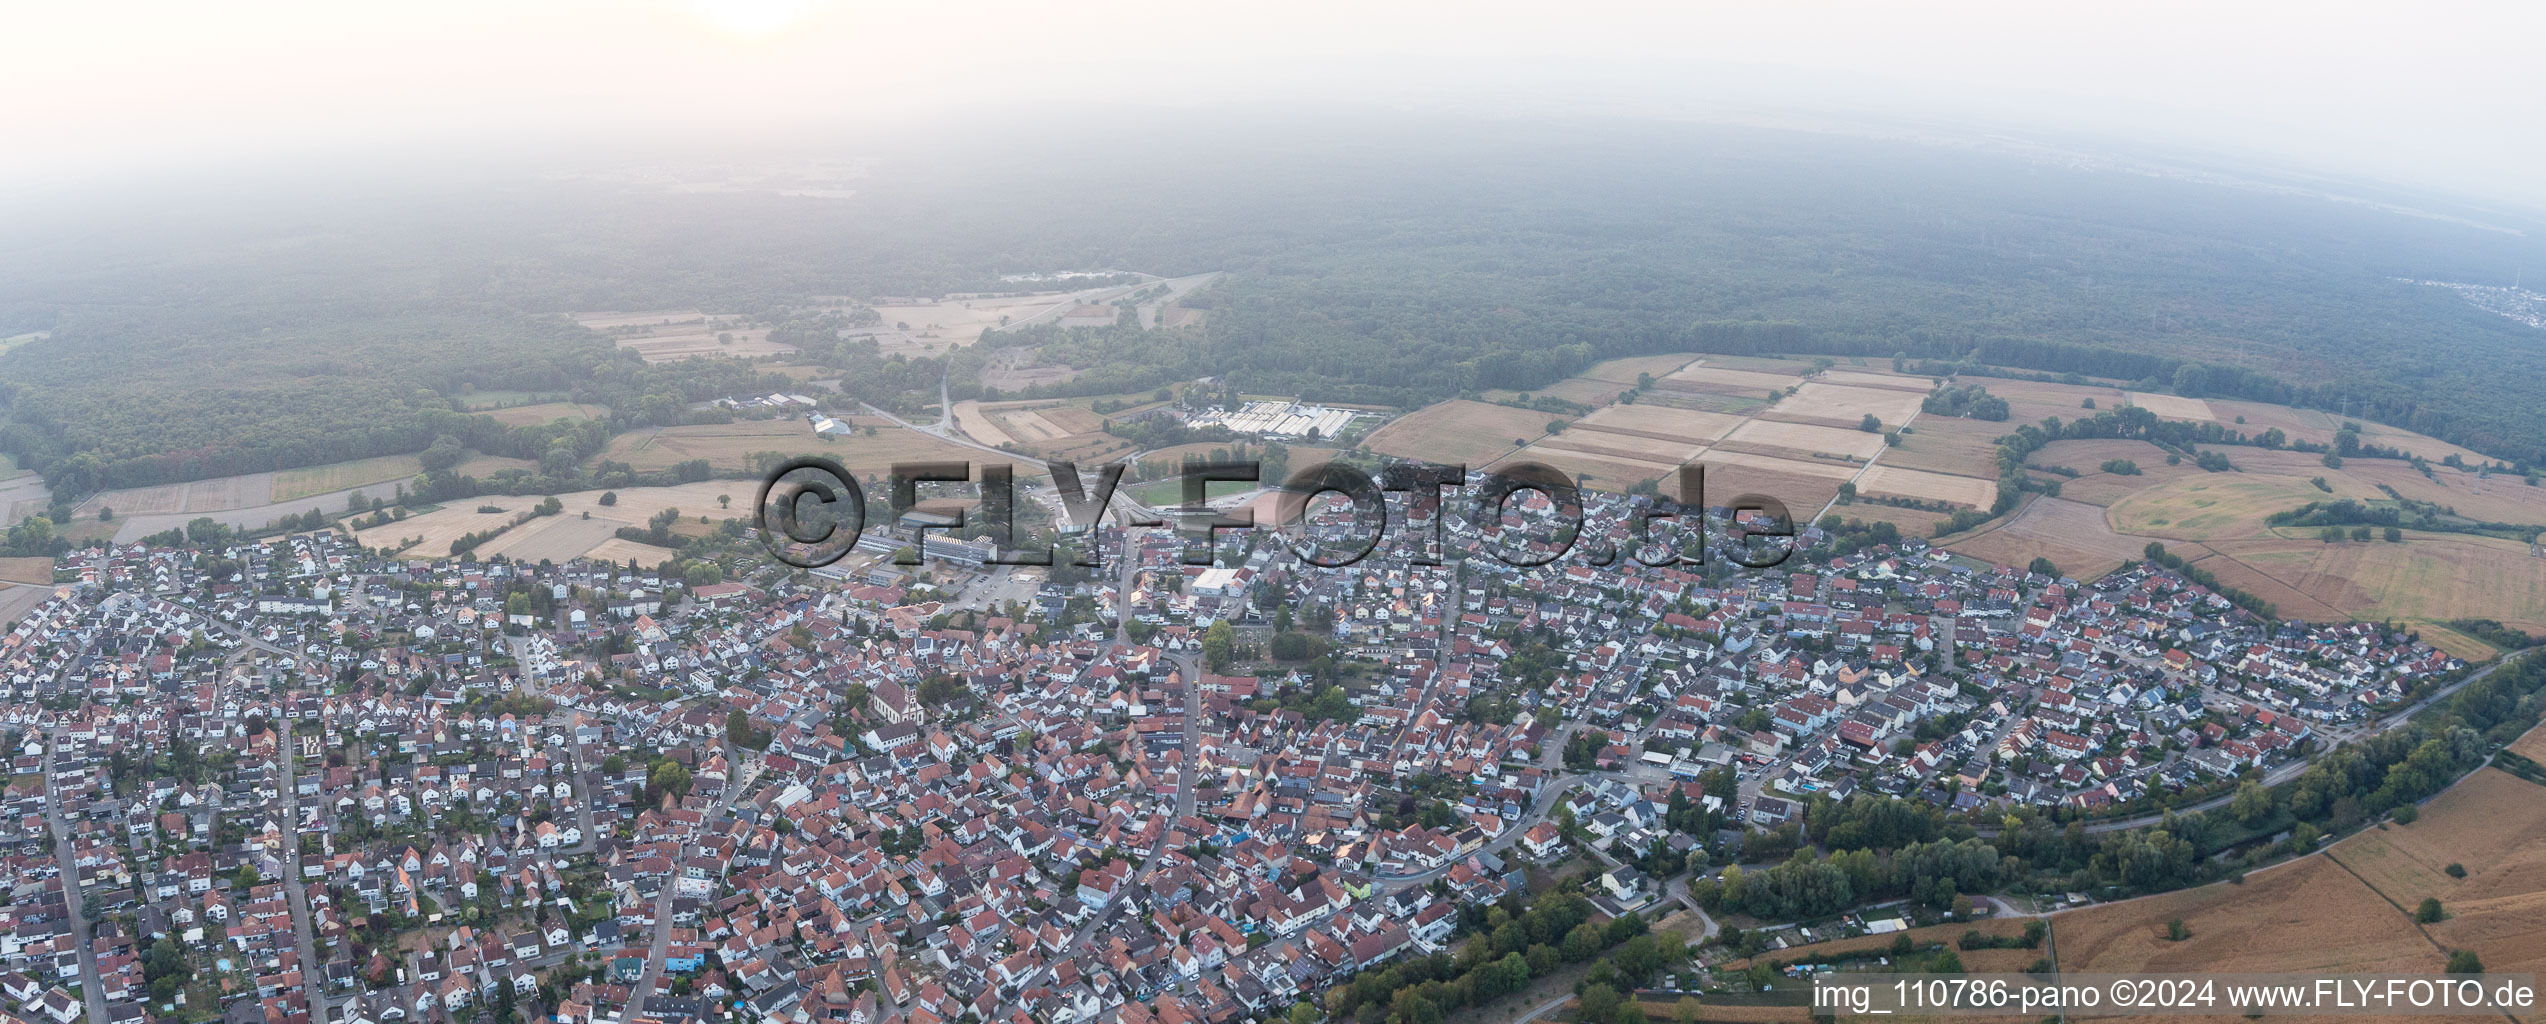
(1663,543)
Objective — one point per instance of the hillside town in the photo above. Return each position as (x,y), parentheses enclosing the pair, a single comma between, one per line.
(292,781)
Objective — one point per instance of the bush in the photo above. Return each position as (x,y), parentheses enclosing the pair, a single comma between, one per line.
(2455,870)
(2406,813)
(2429,912)
(2465,961)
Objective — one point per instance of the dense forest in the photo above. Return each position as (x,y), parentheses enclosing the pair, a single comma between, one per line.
(219,328)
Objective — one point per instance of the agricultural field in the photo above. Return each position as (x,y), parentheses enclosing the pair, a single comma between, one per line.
(1805,439)
(1711,375)
(1625,371)
(2073,535)
(2030,402)
(2501,499)
(1913,483)
(1660,422)
(1874,379)
(2223,506)
(1939,444)
(25,495)
(2174,407)
(1912,522)
(17,601)
(668,335)
(2454,643)
(533,415)
(1803,487)
(2093,485)
(1987,960)
(2308,915)
(624,551)
(430,534)
(37,571)
(2430,576)
(728,446)
(551,539)
(1458,432)
(1823,402)
(295,484)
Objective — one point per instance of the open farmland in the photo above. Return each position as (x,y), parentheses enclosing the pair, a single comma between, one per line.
(2434,576)
(2307,915)
(1458,431)
(1593,469)
(37,571)
(295,484)
(2093,485)
(1660,422)
(1912,522)
(2222,506)
(728,446)
(666,335)
(624,551)
(1806,439)
(1940,444)
(1626,371)
(532,415)
(1912,483)
(430,535)
(2503,499)
(217,494)
(2073,535)
(1824,402)
(552,539)
(1949,934)
(1711,376)
(2029,401)
(1874,379)
(2174,407)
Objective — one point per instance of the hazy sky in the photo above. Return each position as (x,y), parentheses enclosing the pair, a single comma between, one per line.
(2440,93)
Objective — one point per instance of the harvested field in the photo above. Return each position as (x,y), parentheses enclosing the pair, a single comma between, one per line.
(1804,488)
(1698,401)
(2093,485)
(2454,643)
(1624,371)
(532,415)
(678,344)
(2073,535)
(1912,483)
(728,446)
(1711,375)
(2485,822)
(1942,445)
(17,601)
(295,484)
(2431,448)
(2297,424)
(1838,403)
(2222,506)
(2308,915)
(1578,390)
(552,539)
(430,535)
(2533,745)
(1807,439)
(2029,402)
(37,571)
(1625,446)
(1873,379)
(25,495)
(246,490)
(1660,422)
(2435,576)
(2502,499)
(2173,407)
(1594,470)
(481,465)
(623,551)
(2288,602)
(1912,522)
(1029,425)
(1458,432)
(978,425)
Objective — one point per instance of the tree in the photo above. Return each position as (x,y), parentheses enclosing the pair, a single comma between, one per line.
(1218,644)
(2175,931)
(609,498)
(2465,961)
(2395,536)
(2042,566)
(1598,1002)
(2252,803)
(2429,912)
(1870,424)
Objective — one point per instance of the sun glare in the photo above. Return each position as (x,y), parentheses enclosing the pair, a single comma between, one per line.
(752,19)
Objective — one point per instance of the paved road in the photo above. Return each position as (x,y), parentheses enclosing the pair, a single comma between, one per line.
(744,772)
(91,984)
(313,970)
